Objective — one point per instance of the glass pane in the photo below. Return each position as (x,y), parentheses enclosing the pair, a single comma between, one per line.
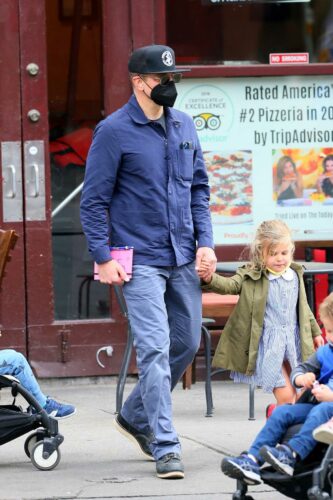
(75,106)
(247,32)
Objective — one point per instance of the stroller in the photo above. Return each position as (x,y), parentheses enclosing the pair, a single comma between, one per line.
(41,446)
(312,479)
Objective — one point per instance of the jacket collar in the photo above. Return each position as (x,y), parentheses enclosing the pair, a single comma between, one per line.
(138,116)
(256,274)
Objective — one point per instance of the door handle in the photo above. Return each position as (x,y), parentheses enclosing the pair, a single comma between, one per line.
(34,168)
(11,193)
(12,203)
(35,180)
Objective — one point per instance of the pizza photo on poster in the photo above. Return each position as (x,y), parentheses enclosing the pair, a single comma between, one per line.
(231,190)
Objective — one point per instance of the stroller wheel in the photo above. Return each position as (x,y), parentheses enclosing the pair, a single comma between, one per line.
(44,463)
(30,441)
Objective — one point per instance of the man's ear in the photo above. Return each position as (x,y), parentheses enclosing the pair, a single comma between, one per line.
(137,82)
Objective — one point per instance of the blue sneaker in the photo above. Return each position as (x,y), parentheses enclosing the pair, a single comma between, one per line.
(281,458)
(243,468)
(58,410)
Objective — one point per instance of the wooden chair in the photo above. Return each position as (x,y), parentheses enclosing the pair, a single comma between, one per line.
(7,242)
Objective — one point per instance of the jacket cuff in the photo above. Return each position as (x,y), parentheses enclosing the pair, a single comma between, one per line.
(209,286)
(205,241)
(101,255)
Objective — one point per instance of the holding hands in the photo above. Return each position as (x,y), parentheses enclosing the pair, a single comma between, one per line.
(205,263)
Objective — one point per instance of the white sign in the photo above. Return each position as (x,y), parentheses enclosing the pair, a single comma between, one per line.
(249,129)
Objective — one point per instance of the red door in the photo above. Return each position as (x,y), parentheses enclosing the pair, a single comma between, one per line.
(51,96)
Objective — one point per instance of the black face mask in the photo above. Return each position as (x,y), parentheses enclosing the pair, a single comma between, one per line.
(164,95)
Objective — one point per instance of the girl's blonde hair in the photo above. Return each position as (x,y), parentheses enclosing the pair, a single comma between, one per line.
(269,234)
(326,307)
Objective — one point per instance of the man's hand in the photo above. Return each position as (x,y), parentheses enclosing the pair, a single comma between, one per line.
(318,341)
(306,380)
(111,272)
(205,263)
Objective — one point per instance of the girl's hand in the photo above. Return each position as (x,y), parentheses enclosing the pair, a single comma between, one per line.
(306,380)
(322,393)
(205,263)
(204,271)
(318,341)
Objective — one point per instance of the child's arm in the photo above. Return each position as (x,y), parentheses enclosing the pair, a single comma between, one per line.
(305,380)
(223,285)
(306,373)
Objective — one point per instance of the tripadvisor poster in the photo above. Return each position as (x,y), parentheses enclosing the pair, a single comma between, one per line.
(268,148)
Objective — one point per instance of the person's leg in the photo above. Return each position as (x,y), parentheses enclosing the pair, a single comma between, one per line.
(287,394)
(148,407)
(324,432)
(184,305)
(246,467)
(303,442)
(276,426)
(14,363)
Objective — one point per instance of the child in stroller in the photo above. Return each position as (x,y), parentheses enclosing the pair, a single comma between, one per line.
(42,446)
(292,456)
(15,364)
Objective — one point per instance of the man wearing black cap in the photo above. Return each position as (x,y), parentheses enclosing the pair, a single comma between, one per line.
(146,186)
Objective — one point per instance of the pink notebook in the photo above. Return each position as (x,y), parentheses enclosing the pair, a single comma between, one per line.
(123,255)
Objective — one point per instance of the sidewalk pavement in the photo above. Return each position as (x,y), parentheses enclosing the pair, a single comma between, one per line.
(100,463)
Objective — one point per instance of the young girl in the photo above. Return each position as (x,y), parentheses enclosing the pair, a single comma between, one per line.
(272,328)
(289,181)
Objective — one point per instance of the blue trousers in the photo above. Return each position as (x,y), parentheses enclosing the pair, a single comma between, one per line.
(287,415)
(14,363)
(164,309)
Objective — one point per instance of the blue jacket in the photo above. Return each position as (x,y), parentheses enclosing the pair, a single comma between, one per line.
(325,358)
(146,188)
(320,363)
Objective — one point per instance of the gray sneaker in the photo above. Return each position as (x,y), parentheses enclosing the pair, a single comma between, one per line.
(170,466)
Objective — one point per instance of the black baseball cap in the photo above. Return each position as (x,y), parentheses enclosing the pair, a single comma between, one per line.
(153,59)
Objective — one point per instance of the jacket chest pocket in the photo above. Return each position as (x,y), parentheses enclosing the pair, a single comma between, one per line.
(184,167)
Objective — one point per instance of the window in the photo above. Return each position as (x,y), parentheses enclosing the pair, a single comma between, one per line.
(247,31)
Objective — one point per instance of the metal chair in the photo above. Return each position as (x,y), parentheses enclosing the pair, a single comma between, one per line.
(206,335)
(128,349)
(209,373)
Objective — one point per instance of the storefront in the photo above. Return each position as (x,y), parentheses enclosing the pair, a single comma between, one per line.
(260,89)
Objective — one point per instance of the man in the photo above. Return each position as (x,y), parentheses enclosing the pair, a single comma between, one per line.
(146,182)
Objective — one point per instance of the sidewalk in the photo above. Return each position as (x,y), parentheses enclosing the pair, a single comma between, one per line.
(99,463)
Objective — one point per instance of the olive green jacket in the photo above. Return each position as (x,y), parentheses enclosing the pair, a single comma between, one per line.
(238,346)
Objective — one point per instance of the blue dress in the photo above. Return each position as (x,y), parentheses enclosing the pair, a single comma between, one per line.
(280,339)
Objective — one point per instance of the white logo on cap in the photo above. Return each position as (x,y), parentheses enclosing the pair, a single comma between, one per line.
(167,58)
